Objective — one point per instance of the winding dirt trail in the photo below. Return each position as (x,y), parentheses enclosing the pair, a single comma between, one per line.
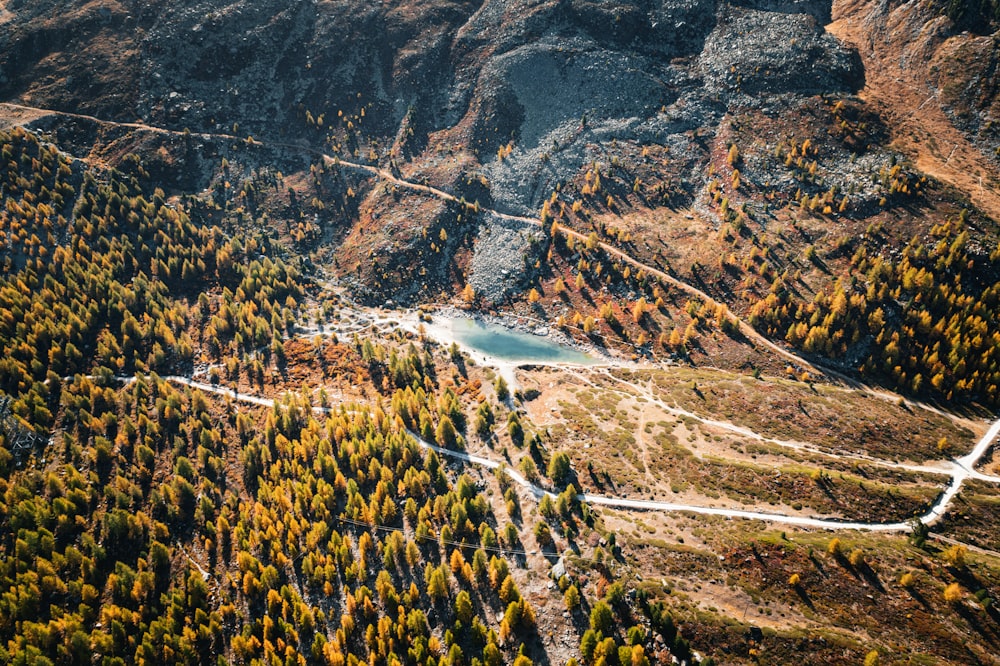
(389,177)
(962,471)
(743,431)
(744,328)
(940,507)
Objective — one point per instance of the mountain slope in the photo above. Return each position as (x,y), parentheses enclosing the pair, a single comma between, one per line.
(226,436)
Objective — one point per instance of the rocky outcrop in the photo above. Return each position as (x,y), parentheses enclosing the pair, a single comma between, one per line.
(435,83)
(753,53)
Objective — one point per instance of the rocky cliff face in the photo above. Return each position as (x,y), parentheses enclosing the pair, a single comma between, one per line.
(436,88)
(500,67)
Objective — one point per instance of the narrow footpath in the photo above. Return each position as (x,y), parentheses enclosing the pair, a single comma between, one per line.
(962,471)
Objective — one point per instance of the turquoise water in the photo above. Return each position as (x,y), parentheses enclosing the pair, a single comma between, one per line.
(509,345)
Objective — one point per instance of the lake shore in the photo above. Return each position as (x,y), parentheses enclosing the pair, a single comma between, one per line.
(502,343)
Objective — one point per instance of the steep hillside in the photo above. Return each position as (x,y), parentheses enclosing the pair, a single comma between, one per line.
(935,84)
(435,90)
(236,422)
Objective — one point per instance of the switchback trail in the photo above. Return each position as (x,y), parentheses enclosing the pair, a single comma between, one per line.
(961,472)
